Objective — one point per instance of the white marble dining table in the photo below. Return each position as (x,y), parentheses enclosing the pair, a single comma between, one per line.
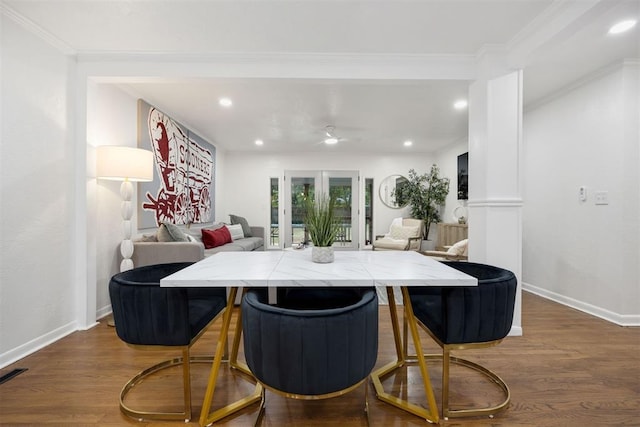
(292,268)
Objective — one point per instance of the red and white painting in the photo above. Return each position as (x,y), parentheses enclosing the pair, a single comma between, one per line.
(182,189)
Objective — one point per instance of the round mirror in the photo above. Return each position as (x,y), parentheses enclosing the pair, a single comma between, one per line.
(389,189)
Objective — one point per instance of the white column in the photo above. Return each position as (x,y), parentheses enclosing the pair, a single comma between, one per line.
(495,190)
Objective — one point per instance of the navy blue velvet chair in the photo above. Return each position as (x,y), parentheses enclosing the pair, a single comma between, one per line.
(314,344)
(149,317)
(459,318)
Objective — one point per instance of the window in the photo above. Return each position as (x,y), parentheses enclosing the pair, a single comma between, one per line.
(274,220)
(368,211)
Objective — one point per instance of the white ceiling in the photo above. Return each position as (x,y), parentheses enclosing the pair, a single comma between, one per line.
(555,42)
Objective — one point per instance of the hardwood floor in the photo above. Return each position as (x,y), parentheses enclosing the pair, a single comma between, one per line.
(569,369)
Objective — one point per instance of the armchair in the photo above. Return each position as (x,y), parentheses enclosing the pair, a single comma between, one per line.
(462,318)
(315,344)
(148,317)
(404,235)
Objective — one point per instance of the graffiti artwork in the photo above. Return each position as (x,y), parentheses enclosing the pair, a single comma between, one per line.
(182,190)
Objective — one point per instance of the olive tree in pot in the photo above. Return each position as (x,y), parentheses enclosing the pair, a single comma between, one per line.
(321,222)
(425,195)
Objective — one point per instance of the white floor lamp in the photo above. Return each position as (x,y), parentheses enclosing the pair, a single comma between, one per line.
(126,164)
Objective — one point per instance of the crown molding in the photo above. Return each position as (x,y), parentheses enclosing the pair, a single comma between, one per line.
(173,56)
(285,64)
(37,30)
(491,49)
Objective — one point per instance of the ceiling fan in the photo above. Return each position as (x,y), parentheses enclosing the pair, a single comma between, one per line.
(330,136)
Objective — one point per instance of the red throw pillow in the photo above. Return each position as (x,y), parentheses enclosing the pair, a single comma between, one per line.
(215,238)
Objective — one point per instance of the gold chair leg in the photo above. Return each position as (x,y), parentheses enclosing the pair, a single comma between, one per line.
(446,359)
(186,382)
(366,401)
(261,409)
(447,412)
(185,415)
(405,335)
(233,359)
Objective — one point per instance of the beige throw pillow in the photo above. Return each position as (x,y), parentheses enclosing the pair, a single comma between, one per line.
(459,248)
(403,232)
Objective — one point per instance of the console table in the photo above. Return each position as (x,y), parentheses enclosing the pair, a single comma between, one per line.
(295,268)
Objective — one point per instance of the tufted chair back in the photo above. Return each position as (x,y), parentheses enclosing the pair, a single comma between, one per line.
(457,315)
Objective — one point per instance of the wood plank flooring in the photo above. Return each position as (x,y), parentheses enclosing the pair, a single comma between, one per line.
(569,369)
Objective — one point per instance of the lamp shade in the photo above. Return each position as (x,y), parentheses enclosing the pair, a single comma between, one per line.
(124,163)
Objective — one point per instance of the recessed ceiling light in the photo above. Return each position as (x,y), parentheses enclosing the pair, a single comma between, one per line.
(622,26)
(460,104)
(259,142)
(225,102)
(408,143)
(331,140)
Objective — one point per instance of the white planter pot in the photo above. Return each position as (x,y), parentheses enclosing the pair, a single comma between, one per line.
(428,245)
(321,254)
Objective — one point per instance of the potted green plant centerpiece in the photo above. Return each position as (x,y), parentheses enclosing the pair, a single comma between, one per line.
(321,222)
(425,195)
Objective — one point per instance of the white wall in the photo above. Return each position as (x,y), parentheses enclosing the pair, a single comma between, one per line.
(37,290)
(111,120)
(246,180)
(579,253)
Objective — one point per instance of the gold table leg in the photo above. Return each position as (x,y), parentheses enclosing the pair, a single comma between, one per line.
(430,414)
(233,359)
(207,417)
(400,349)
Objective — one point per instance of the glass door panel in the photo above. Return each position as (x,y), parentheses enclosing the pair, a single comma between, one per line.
(343,187)
(302,185)
(340,191)
(298,186)
(368,211)
(274,214)
(301,190)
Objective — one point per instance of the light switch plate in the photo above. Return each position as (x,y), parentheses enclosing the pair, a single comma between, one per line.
(602,197)
(582,194)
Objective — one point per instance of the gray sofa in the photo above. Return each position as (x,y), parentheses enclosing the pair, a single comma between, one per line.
(150,252)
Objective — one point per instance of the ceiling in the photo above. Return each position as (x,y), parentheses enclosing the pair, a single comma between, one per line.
(556,42)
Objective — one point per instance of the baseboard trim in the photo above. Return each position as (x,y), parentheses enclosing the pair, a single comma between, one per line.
(618,319)
(103,312)
(516,331)
(36,344)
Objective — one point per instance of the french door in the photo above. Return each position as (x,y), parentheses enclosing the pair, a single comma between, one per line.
(341,185)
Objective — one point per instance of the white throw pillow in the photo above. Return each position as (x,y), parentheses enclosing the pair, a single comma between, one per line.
(404,232)
(236,231)
(459,248)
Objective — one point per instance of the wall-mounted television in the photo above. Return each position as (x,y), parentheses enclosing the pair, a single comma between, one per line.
(463,176)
